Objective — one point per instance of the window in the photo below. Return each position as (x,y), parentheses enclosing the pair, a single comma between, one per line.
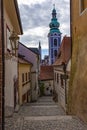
(55,42)
(26,76)
(57,78)
(51,61)
(51,53)
(83,5)
(55,34)
(61,78)
(7,37)
(55,53)
(22,78)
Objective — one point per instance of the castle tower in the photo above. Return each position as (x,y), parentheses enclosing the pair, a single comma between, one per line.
(54,37)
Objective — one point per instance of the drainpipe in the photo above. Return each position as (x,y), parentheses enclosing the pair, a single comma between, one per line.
(3,63)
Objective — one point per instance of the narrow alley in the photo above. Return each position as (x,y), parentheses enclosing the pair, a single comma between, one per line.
(43,115)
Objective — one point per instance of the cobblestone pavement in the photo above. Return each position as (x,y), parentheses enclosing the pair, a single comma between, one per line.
(43,115)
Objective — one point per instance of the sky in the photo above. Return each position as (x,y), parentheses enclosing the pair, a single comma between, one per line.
(36,16)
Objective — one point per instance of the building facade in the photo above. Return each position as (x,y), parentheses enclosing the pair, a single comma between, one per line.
(54,37)
(12,28)
(62,72)
(32,55)
(77,103)
(24,88)
(46,78)
(1,67)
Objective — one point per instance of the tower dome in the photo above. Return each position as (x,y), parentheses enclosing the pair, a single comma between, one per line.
(54,24)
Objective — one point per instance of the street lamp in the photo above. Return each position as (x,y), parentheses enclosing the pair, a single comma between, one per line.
(14,42)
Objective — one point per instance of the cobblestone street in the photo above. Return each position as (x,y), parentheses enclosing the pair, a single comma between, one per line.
(43,115)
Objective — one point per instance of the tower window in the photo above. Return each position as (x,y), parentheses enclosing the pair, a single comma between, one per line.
(55,42)
(55,53)
(51,53)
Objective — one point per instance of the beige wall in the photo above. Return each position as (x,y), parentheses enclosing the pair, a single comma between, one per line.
(60,88)
(77,103)
(48,85)
(23,89)
(10,74)
(34,79)
(11,61)
(10,67)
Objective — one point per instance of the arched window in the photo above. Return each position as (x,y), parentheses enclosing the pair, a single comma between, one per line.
(55,42)
(55,53)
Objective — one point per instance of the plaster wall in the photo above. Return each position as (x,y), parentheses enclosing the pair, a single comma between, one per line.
(10,74)
(77,102)
(48,87)
(23,89)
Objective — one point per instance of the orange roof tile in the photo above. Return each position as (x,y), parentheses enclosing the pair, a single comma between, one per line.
(46,73)
(64,52)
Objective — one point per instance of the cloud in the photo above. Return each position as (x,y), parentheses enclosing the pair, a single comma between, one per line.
(36,16)
(30,2)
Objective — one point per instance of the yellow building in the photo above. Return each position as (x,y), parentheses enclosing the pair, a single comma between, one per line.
(77,103)
(24,81)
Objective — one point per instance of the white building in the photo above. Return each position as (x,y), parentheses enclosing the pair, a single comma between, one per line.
(62,72)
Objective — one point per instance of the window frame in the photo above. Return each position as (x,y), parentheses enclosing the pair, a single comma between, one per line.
(55,42)
(8,43)
(80,7)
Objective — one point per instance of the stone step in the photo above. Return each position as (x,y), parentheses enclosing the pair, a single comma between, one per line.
(42,118)
(45,106)
(36,104)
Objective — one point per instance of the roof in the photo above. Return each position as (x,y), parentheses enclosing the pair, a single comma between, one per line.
(18,15)
(35,50)
(24,61)
(28,55)
(12,9)
(46,73)
(64,51)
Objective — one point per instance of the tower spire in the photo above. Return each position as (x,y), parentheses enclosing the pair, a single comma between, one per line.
(54,37)
(54,6)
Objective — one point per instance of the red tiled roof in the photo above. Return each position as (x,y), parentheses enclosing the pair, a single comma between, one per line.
(46,73)
(64,52)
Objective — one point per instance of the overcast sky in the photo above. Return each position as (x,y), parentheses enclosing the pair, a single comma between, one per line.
(36,16)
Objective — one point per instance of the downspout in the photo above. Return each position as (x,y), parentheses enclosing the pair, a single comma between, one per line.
(3,64)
